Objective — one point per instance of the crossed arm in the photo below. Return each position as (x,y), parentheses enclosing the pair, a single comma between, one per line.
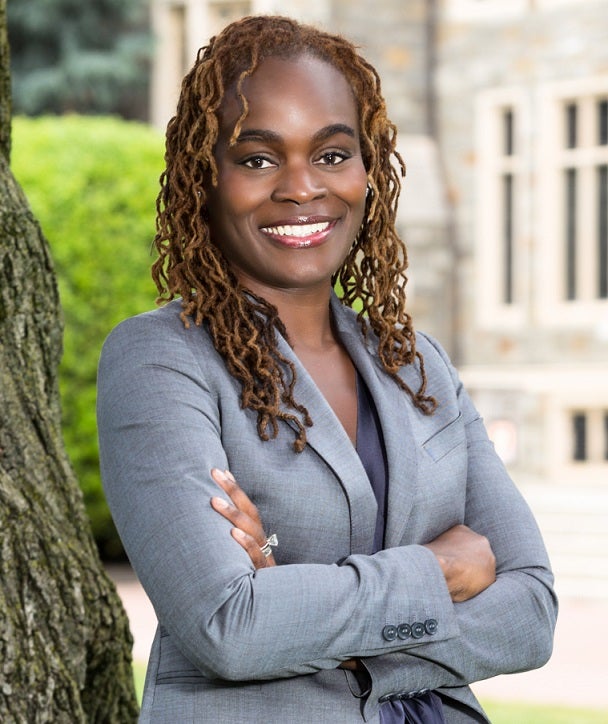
(465,557)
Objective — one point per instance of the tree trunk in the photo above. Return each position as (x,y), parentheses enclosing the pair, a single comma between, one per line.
(65,645)
(5,86)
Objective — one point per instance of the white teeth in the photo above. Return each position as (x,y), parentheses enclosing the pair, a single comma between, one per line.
(299,230)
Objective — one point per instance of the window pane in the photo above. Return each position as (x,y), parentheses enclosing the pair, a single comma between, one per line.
(570,232)
(579,437)
(508,138)
(507,193)
(602,122)
(571,125)
(602,231)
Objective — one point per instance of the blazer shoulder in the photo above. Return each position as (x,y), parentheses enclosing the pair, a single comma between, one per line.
(163,320)
(443,381)
(427,344)
(436,359)
(158,330)
(159,338)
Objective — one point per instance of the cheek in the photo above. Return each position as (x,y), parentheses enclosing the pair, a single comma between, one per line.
(234,196)
(356,193)
(230,199)
(358,184)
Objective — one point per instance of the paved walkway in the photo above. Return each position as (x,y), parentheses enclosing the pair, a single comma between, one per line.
(576,674)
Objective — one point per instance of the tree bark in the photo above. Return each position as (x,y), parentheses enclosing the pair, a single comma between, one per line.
(65,645)
(5,86)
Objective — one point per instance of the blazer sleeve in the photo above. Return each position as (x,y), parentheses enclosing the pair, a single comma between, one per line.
(508,627)
(159,425)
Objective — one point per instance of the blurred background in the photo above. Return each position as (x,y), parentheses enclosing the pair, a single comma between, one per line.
(502,111)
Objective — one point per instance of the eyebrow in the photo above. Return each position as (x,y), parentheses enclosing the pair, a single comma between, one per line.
(266,136)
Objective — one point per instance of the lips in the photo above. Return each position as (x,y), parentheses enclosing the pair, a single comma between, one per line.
(301,234)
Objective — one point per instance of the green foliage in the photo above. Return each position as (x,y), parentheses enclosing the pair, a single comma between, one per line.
(92,184)
(84,57)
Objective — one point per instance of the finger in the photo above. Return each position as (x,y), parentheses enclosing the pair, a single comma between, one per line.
(239,519)
(252,549)
(227,482)
(240,498)
(351,664)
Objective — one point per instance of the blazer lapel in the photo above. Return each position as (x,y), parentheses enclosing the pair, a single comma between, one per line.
(395,411)
(329,440)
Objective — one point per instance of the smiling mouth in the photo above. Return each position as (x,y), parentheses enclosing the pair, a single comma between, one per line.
(299,230)
(300,235)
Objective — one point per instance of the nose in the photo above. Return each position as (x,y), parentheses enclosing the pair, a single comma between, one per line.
(299,183)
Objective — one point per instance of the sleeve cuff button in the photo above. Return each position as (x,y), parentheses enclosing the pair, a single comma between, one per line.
(389,633)
(418,630)
(430,626)
(404,631)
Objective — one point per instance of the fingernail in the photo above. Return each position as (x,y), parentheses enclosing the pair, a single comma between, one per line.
(217,473)
(220,503)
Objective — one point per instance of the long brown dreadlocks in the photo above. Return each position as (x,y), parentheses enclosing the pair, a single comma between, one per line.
(243,326)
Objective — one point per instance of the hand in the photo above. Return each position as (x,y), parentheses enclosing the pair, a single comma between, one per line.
(248,530)
(467,561)
(350,664)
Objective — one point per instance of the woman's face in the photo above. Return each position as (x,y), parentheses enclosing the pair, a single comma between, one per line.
(290,195)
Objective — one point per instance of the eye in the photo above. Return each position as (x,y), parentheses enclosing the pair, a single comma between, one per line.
(257,162)
(333,158)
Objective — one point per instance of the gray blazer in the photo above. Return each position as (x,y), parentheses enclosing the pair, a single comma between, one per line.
(236,645)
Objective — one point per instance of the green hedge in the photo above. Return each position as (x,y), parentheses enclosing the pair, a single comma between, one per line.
(92,184)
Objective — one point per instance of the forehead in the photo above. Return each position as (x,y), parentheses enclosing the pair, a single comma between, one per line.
(290,91)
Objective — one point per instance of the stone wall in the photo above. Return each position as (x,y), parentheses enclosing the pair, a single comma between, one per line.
(531,370)
(532,48)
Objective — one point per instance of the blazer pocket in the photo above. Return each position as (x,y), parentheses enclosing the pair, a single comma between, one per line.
(173,666)
(446,439)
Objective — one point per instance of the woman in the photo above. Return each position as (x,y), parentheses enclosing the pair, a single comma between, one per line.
(407,563)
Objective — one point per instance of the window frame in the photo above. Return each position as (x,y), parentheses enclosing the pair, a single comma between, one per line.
(569,297)
(492,275)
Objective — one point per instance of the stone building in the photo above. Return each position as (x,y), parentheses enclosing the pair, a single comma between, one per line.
(524,129)
(502,108)
(523,89)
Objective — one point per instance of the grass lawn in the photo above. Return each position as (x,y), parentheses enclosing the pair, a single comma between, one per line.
(139,674)
(499,712)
